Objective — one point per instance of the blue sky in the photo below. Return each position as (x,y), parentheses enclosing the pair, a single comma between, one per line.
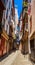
(19,5)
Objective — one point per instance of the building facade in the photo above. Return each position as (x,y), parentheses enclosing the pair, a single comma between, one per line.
(25,27)
(2,7)
(32,31)
(6,20)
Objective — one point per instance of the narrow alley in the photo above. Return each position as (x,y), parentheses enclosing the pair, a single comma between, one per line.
(17,32)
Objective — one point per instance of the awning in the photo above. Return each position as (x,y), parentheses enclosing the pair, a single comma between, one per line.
(32,35)
(4,34)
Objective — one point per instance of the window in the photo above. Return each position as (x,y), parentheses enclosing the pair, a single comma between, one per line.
(26,0)
(25,4)
(3,23)
(26,26)
(32,43)
(6,28)
(7,14)
(9,20)
(4,1)
(0,27)
(29,1)
(9,5)
(7,0)
(3,19)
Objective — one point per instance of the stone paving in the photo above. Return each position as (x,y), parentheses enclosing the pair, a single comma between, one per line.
(10,59)
(22,60)
(16,58)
